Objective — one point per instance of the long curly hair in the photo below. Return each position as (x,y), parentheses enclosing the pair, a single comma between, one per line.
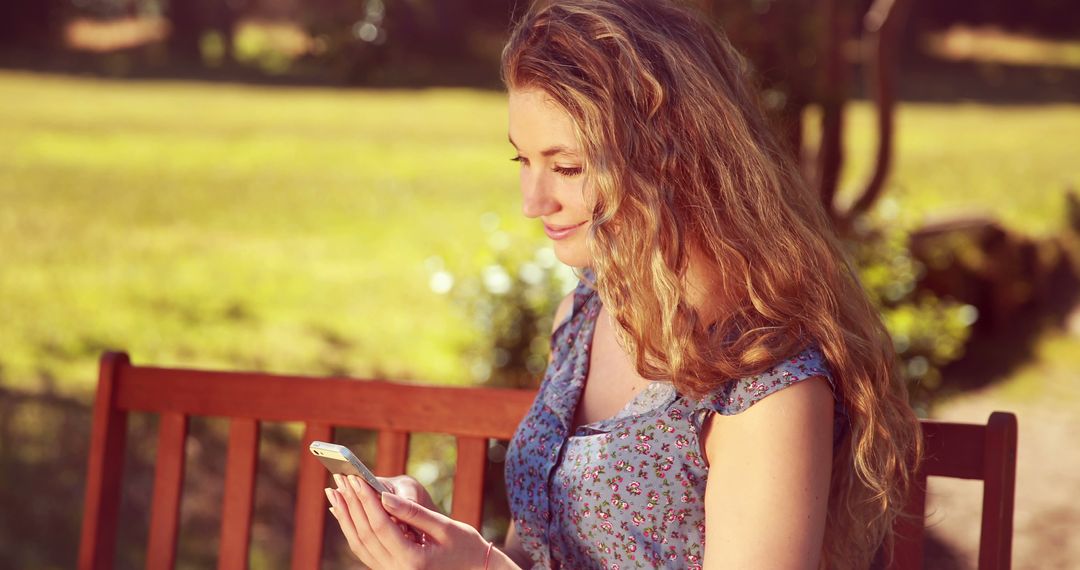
(682,159)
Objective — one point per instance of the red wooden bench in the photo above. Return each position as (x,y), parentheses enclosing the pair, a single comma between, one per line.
(472,415)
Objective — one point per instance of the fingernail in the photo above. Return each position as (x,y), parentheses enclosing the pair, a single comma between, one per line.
(355,482)
(330,495)
(337,480)
(392,502)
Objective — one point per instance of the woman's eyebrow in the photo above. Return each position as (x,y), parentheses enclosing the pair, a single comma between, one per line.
(550,151)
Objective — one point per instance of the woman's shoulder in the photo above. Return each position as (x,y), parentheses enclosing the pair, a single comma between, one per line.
(735,396)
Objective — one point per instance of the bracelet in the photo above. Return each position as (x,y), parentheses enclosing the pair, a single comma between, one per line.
(487,555)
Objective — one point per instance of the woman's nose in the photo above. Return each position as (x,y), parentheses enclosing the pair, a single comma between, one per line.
(537,198)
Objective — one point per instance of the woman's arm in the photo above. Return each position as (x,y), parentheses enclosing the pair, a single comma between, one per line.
(768,487)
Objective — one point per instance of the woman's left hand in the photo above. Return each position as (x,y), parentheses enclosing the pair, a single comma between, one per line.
(377,540)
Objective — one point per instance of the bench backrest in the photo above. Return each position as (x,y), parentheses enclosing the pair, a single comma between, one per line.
(985,452)
(394,410)
(472,415)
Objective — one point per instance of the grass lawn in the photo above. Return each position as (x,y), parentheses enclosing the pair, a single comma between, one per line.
(288,229)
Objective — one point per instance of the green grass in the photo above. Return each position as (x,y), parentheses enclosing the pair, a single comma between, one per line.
(239,227)
(287,229)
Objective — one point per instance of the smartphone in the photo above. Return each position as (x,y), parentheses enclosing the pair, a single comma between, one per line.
(338,459)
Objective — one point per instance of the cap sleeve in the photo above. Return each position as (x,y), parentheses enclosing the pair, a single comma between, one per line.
(736,396)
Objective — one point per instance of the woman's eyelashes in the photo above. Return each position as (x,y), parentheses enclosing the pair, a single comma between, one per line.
(567,171)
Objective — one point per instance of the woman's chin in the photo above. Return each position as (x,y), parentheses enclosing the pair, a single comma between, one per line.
(572,255)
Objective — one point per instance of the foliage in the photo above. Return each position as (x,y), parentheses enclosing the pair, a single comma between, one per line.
(511,303)
(927,332)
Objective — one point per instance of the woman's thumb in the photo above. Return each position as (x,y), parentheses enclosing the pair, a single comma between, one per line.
(415,515)
(404,491)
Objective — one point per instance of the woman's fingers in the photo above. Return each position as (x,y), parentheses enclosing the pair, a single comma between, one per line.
(375,519)
(341,513)
(411,489)
(362,522)
(400,489)
(388,482)
(435,525)
(453,544)
(384,528)
(406,488)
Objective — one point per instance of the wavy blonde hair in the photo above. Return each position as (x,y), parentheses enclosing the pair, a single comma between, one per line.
(677,148)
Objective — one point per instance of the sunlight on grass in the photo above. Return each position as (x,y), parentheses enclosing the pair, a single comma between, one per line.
(235,227)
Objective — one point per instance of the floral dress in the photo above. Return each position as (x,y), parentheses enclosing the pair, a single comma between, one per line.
(627,491)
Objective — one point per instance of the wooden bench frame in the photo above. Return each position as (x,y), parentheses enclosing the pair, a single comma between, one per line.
(472,415)
(394,410)
(985,452)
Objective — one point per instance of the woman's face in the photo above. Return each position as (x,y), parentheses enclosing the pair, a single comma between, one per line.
(552,180)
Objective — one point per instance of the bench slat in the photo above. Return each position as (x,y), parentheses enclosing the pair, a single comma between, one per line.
(953,450)
(108,438)
(995,537)
(910,533)
(391,453)
(366,404)
(311,505)
(468,505)
(168,484)
(240,469)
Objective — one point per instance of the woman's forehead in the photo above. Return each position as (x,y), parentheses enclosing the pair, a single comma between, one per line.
(536,120)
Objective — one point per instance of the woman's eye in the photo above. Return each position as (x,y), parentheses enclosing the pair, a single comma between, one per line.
(568,171)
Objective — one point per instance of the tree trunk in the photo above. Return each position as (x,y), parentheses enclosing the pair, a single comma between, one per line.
(833,98)
(882,26)
(187,23)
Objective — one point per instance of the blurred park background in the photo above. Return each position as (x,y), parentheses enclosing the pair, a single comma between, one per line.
(321,188)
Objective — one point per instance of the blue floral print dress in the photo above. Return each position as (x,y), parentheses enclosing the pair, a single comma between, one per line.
(627,491)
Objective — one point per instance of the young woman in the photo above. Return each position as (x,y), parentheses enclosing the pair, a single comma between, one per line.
(721,392)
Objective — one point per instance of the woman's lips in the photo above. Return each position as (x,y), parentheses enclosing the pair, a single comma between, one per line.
(561,232)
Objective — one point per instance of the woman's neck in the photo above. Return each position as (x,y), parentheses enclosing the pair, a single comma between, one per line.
(705,289)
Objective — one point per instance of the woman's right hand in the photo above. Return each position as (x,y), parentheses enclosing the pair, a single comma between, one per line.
(408,488)
(369,521)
